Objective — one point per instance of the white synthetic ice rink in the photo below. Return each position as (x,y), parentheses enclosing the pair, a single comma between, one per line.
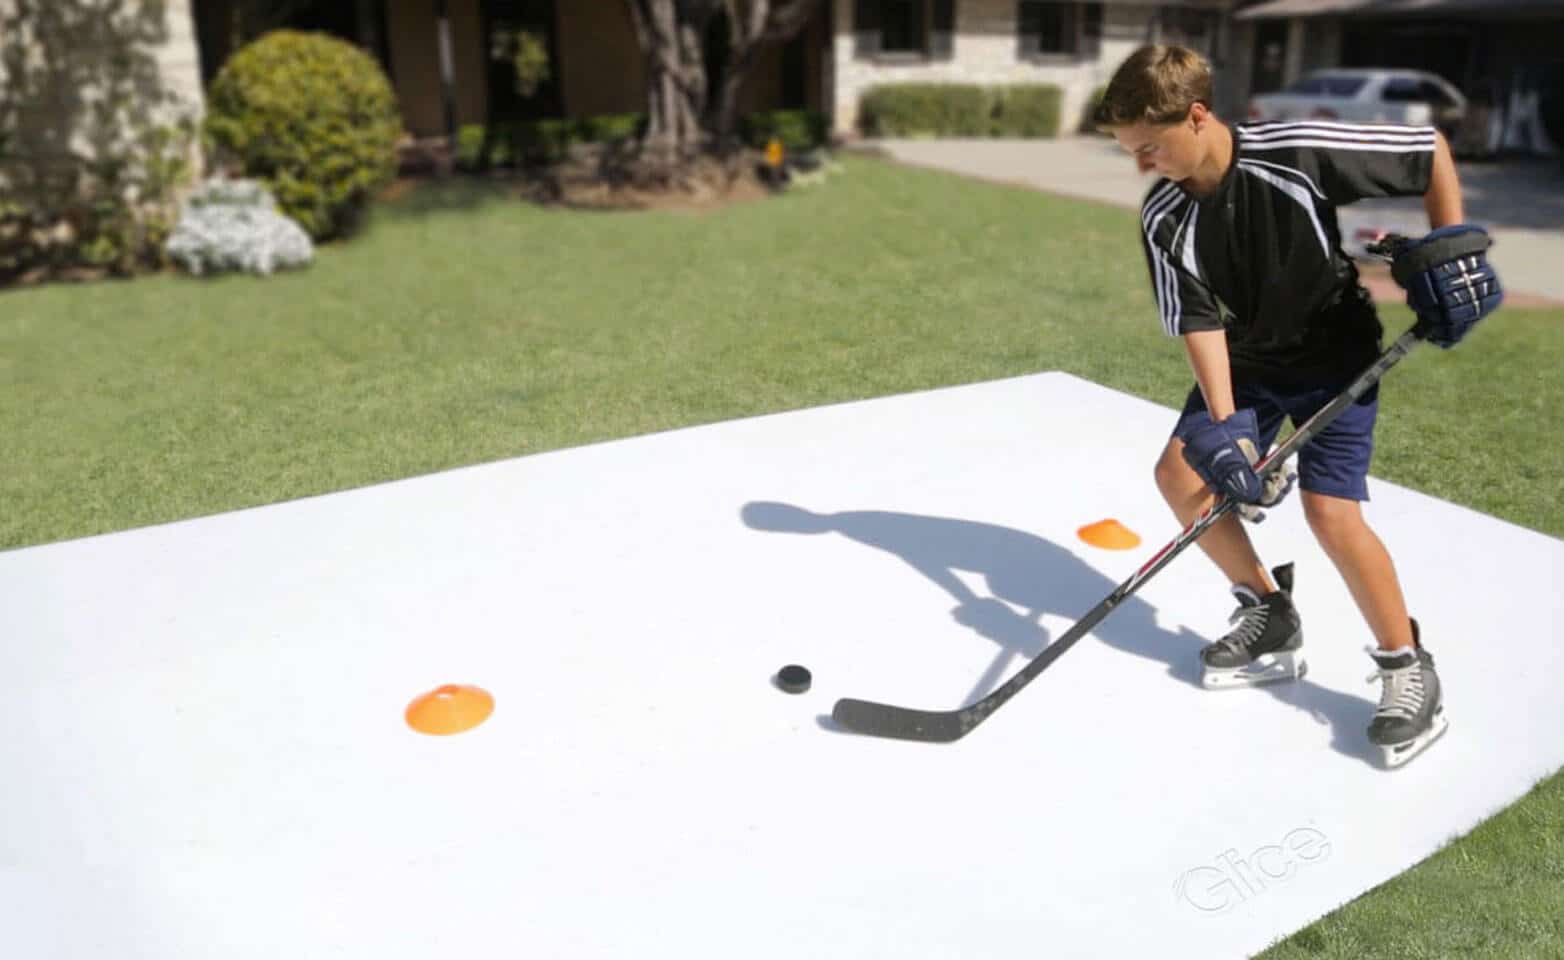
(204,752)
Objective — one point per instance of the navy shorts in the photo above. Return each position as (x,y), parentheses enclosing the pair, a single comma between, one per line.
(1336,462)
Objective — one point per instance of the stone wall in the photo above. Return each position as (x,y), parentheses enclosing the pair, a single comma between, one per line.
(81,80)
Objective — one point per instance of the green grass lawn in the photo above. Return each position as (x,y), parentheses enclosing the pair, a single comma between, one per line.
(463,328)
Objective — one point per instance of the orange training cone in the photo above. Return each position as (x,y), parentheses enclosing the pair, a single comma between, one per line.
(1109,534)
(450,709)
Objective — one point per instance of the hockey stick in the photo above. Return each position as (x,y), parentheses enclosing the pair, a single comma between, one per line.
(945,726)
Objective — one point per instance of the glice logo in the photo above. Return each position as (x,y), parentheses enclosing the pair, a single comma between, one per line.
(1231,879)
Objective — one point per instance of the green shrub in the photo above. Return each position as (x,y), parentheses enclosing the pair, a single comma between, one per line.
(514,143)
(548,141)
(505,145)
(797,129)
(469,146)
(612,127)
(922,109)
(961,110)
(313,118)
(1027,111)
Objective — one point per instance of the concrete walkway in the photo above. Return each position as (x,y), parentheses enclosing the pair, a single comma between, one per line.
(1520,202)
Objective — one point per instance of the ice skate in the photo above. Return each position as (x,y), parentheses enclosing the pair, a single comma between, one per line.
(1411,713)
(1266,645)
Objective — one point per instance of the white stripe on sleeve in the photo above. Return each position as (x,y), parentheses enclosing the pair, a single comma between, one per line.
(1282,127)
(1164,278)
(1355,145)
(1191,222)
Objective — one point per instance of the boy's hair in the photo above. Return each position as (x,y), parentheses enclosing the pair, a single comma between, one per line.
(1157,84)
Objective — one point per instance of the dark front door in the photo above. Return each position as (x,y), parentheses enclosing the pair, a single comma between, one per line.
(1270,56)
(795,70)
(518,37)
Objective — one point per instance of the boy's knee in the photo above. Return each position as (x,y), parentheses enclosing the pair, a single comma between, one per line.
(1174,477)
(1333,519)
(1167,468)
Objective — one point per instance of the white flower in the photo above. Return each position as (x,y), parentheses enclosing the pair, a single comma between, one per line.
(235,225)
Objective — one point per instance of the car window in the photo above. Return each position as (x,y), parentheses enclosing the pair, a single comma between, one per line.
(1344,86)
(1402,90)
(1435,94)
(1328,85)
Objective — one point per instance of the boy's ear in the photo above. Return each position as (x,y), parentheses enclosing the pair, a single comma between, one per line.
(1199,114)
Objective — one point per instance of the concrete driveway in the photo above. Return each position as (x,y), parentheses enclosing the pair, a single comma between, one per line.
(1520,202)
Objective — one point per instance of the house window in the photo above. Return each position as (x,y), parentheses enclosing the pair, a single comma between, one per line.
(1091,22)
(904,28)
(1051,28)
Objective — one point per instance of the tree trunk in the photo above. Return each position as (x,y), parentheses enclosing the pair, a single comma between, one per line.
(753,25)
(725,116)
(669,33)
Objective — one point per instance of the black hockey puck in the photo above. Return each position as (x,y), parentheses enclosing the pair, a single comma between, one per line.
(793,678)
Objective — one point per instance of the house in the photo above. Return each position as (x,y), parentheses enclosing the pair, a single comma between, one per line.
(848,47)
(595,64)
(1075,46)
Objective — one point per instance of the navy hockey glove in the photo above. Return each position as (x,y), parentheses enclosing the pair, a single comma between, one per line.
(1224,455)
(1449,282)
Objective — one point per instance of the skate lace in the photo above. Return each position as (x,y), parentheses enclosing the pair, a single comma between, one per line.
(1402,693)
(1251,626)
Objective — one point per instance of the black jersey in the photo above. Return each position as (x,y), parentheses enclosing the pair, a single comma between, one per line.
(1261,256)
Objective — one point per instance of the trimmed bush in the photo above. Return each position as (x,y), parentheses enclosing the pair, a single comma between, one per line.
(1027,111)
(612,127)
(469,146)
(234,225)
(541,141)
(313,118)
(961,110)
(547,140)
(797,129)
(926,109)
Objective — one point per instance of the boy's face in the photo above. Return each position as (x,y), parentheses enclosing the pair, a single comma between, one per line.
(1173,150)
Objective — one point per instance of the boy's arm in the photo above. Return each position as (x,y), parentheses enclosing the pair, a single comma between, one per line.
(1223,446)
(1443,197)
(1207,351)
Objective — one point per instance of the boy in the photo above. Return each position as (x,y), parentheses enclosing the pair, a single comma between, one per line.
(1241,238)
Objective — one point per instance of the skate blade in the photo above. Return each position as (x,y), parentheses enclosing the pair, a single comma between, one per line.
(1271,668)
(1398,755)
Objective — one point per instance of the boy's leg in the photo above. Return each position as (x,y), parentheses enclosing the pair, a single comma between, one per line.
(1227,543)
(1264,644)
(1333,479)
(1364,564)
(1332,472)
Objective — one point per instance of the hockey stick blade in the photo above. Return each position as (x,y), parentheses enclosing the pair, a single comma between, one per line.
(900,723)
(935,726)
(946,726)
